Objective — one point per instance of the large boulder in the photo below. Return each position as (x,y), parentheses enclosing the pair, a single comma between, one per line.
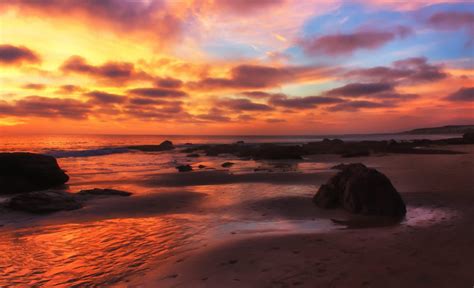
(25,172)
(44,202)
(361,190)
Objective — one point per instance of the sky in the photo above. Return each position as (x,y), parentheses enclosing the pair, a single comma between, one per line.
(234,67)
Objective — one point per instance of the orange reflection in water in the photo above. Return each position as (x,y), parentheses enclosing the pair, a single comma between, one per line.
(96,253)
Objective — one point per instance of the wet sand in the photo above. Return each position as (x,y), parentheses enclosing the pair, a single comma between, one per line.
(432,247)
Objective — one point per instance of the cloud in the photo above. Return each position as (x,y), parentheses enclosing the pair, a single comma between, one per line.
(274,120)
(452,20)
(139,101)
(410,71)
(39,106)
(118,72)
(105,98)
(360,89)
(34,86)
(16,55)
(243,104)
(307,102)
(69,89)
(213,115)
(157,92)
(119,15)
(168,82)
(344,44)
(465,94)
(246,6)
(258,76)
(258,94)
(353,106)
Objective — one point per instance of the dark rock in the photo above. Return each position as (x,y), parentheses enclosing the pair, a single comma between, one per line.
(25,172)
(103,192)
(339,166)
(184,168)
(355,154)
(363,190)
(227,164)
(469,137)
(193,155)
(164,146)
(275,152)
(44,202)
(202,166)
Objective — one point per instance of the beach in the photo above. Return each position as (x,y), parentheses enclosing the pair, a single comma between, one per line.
(249,225)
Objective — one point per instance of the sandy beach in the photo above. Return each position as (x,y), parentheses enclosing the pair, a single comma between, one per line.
(432,247)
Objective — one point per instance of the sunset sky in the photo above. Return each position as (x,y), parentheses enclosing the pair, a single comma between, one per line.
(234,66)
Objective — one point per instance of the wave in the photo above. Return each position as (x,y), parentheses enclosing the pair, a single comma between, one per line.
(86,153)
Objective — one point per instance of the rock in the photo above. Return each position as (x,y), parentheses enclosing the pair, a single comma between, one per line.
(240,142)
(26,172)
(468,137)
(276,152)
(202,166)
(103,192)
(355,154)
(339,166)
(193,155)
(361,190)
(184,168)
(227,164)
(44,202)
(164,146)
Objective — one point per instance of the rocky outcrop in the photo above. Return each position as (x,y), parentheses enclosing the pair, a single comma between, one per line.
(26,172)
(44,202)
(102,192)
(164,146)
(361,190)
(52,201)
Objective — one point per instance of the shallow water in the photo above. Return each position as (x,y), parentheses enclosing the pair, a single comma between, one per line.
(115,239)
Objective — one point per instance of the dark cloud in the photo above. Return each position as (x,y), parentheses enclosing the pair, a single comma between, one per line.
(248,76)
(356,105)
(307,102)
(146,101)
(14,55)
(105,98)
(119,72)
(39,106)
(171,83)
(34,86)
(340,44)
(411,70)
(243,104)
(465,94)
(452,20)
(163,111)
(360,89)
(157,92)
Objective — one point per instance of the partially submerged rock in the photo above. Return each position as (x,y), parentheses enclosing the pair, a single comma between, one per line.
(164,146)
(25,172)
(184,168)
(227,164)
(103,192)
(44,202)
(361,190)
(193,155)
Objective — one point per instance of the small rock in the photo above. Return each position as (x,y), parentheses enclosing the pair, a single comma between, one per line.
(184,168)
(103,192)
(193,155)
(227,164)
